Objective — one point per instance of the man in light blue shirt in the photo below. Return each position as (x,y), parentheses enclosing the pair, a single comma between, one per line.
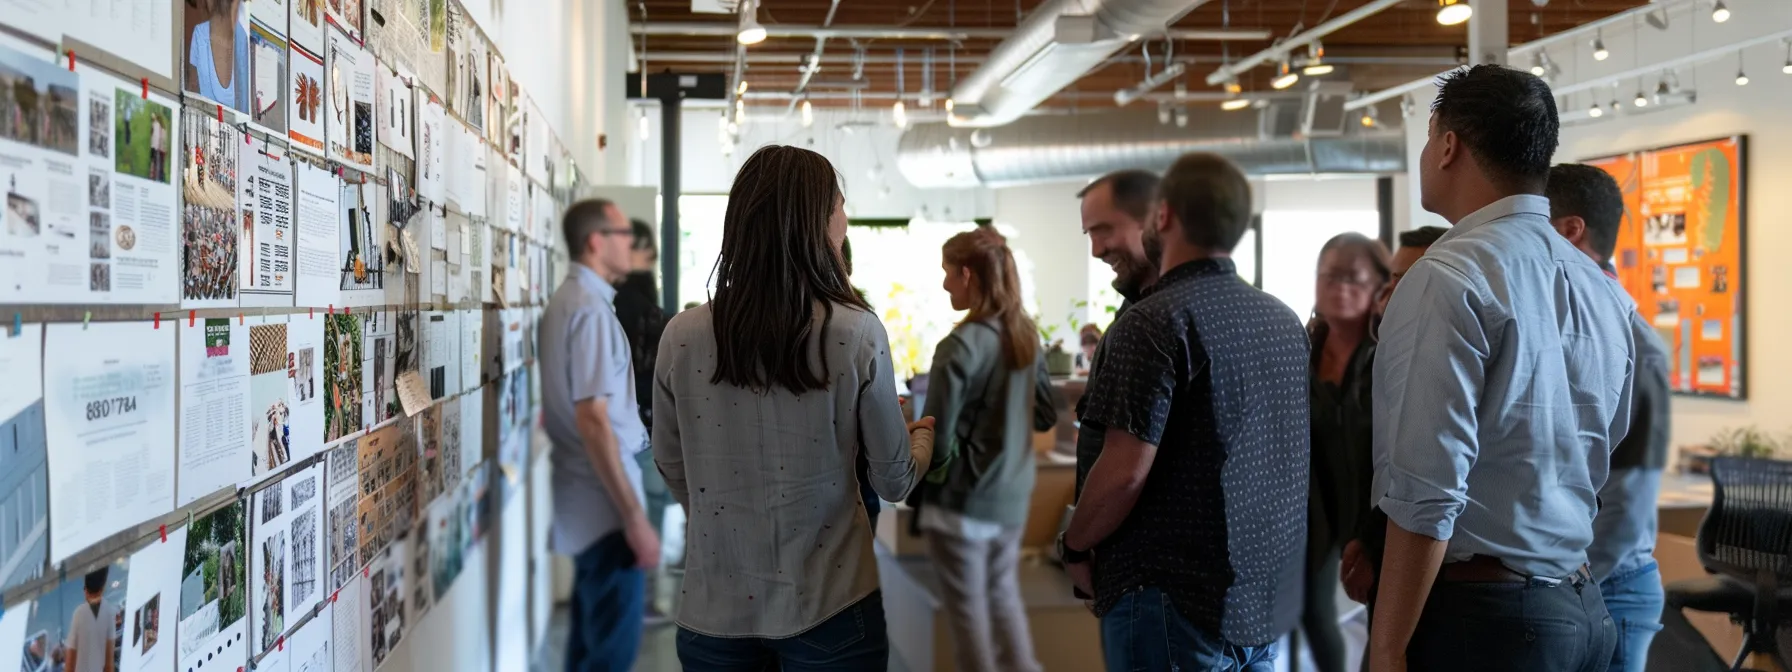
(1586,207)
(591,416)
(1502,381)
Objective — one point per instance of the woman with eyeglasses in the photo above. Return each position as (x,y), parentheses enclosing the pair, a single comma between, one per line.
(763,399)
(1352,270)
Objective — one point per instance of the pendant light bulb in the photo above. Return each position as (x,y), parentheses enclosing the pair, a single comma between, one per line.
(1641,100)
(899,114)
(1600,53)
(808,112)
(1235,104)
(1741,75)
(750,32)
(643,127)
(1453,12)
(1719,12)
(1284,77)
(1316,65)
(1595,111)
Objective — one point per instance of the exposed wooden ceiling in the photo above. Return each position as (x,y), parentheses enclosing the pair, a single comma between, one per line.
(1388,48)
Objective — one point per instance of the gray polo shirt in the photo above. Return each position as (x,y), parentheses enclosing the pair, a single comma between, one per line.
(585,355)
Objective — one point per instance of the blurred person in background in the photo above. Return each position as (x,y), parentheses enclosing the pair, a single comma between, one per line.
(765,397)
(1352,271)
(1090,339)
(638,308)
(986,393)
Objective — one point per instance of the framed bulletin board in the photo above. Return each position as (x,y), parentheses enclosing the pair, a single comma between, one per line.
(1681,254)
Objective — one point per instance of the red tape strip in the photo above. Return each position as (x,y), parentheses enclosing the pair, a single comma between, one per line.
(71,60)
(164,534)
(220,113)
(158,320)
(146,88)
(191,316)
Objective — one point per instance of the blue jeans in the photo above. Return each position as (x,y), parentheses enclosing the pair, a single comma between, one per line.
(608,598)
(1635,599)
(1143,633)
(853,639)
(1500,626)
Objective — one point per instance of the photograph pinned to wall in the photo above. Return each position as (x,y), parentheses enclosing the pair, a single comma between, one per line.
(99,129)
(154,589)
(384,614)
(216,53)
(24,478)
(78,621)
(407,357)
(214,590)
(209,227)
(441,345)
(447,533)
(270,398)
(342,377)
(305,99)
(361,247)
(306,396)
(421,554)
(217,357)
(342,536)
(267,74)
(466,68)
(429,455)
(379,372)
(319,228)
(472,348)
(348,108)
(432,122)
(286,580)
(438,25)
(472,431)
(396,112)
(109,413)
(497,100)
(267,243)
(397,33)
(388,469)
(346,15)
(449,436)
(306,25)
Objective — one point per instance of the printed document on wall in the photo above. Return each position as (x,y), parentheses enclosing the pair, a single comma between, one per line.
(319,227)
(432,123)
(25,485)
(348,115)
(109,424)
(152,593)
(89,214)
(286,581)
(214,591)
(267,212)
(215,423)
(310,645)
(139,31)
(210,232)
(305,107)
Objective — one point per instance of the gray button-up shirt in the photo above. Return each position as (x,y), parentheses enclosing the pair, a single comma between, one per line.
(778,539)
(1502,382)
(585,355)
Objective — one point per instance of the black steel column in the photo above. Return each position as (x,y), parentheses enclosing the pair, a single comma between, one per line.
(671,122)
(1384,205)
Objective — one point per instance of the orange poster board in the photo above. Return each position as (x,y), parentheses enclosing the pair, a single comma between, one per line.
(1680,254)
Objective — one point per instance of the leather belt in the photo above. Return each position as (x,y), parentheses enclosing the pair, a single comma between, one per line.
(1487,569)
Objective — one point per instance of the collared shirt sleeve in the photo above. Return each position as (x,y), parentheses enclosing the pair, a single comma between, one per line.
(1430,370)
(883,432)
(598,355)
(1131,390)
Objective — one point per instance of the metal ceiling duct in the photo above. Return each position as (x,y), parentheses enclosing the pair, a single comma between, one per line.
(1056,44)
(1300,136)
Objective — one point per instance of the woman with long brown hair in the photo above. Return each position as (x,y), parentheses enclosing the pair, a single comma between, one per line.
(1352,270)
(763,399)
(982,394)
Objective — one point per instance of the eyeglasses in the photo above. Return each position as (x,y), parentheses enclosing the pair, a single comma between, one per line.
(1352,279)
(607,233)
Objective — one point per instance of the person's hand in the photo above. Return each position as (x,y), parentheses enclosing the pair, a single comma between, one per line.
(1082,577)
(643,541)
(1355,572)
(920,442)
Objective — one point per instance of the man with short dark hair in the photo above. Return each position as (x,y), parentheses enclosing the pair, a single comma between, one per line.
(1587,207)
(591,417)
(1115,209)
(1502,381)
(638,309)
(1193,554)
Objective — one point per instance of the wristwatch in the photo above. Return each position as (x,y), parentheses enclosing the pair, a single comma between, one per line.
(1068,555)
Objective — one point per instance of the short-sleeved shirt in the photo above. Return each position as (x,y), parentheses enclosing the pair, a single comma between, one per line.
(585,355)
(88,632)
(1214,373)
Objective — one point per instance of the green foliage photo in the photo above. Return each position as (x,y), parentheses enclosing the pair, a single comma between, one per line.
(216,546)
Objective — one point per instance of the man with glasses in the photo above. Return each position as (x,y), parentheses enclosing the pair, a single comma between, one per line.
(594,423)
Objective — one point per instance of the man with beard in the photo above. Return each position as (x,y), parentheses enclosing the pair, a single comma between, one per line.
(1115,209)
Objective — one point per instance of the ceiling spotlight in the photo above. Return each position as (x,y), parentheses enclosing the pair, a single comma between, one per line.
(1316,64)
(740,111)
(899,114)
(949,105)
(750,32)
(1284,77)
(1181,117)
(1369,120)
(741,88)
(1719,12)
(1641,100)
(1163,114)
(808,112)
(1235,104)
(1595,111)
(1657,18)
(1538,66)
(1181,90)
(1787,68)
(1600,53)
(1452,12)
(1741,76)
(642,126)
(1232,87)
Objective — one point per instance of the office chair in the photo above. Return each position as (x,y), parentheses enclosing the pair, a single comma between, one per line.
(1745,542)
